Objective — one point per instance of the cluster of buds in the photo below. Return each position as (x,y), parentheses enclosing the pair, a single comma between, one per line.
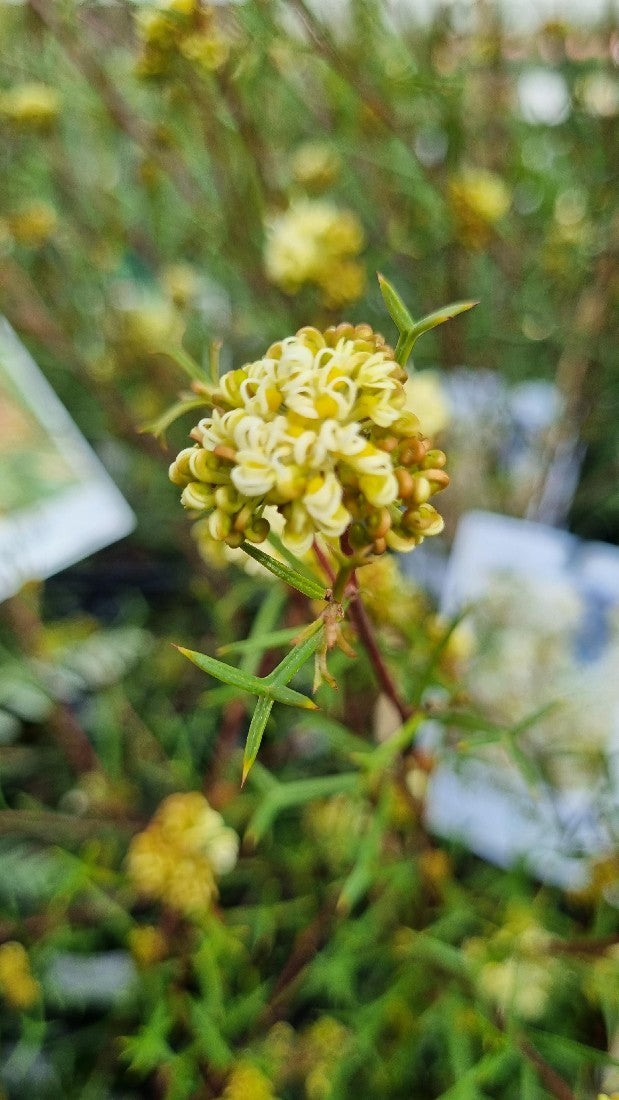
(179,29)
(180,854)
(320,429)
(314,243)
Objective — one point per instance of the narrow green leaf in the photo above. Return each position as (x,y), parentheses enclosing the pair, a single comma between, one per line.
(339,736)
(285,572)
(526,765)
(283,551)
(184,361)
(283,694)
(296,793)
(161,423)
(320,786)
(395,306)
(244,681)
(439,316)
(483,1072)
(364,871)
(262,686)
(293,661)
(397,743)
(408,339)
(562,1044)
(214,349)
(257,726)
(426,672)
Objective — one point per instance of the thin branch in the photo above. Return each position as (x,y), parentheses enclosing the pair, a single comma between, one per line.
(557,1086)
(365,630)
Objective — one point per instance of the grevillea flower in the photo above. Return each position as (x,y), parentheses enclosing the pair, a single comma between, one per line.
(320,431)
(181,853)
(315,243)
(478,200)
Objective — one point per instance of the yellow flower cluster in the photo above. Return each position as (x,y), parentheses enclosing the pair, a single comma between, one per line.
(30,106)
(179,28)
(17,984)
(336,824)
(147,944)
(247,1082)
(514,969)
(33,225)
(314,243)
(478,200)
(322,429)
(388,595)
(321,1050)
(178,857)
(315,165)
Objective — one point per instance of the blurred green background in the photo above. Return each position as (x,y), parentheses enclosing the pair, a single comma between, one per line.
(176,174)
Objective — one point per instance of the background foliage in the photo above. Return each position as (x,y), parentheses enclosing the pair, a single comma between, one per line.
(142,154)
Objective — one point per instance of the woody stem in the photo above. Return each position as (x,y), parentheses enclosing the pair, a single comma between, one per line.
(365,630)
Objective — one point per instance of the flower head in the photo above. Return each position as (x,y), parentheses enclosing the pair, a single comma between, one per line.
(315,243)
(320,429)
(175,30)
(178,857)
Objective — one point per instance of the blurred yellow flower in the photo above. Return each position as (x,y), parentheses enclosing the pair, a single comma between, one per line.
(478,200)
(315,165)
(147,944)
(321,428)
(387,594)
(177,858)
(34,224)
(428,399)
(30,106)
(181,282)
(322,1046)
(314,242)
(206,49)
(247,1082)
(179,28)
(17,985)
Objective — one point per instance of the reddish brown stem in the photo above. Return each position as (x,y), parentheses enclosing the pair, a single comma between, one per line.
(308,943)
(551,1080)
(365,630)
(324,563)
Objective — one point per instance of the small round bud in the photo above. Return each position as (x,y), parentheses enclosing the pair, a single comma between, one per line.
(259,530)
(197,496)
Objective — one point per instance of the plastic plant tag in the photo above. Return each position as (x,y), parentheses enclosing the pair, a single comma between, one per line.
(538,781)
(57,502)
